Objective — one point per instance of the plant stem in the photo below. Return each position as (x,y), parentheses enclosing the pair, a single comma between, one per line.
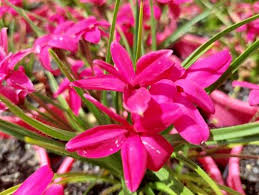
(153,25)
(140,27)
(112,31)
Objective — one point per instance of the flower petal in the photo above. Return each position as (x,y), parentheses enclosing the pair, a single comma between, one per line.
(106,110)
(206,71)
(154,71)
(149,58)
(37,182)
(134,161)
(4,40)
(93,35)
(122,61)
(56,189)
(74,101)
(15,58)
(62,87)
(65,42)
(191,126)
(253,97)
(196,94)
(19,80)
(105,82)
(245,84)
(158,149)
(136,101)
(98,142)
(109,68)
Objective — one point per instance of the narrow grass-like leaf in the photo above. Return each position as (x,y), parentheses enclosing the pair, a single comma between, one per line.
(112,30)
(234,66)
(185,28)
(139,36)
(83,177)
(202,49)
(109,163)
(153,25)
(199,171)
(162,187)
(11,190)
(13,129)
(45,129)
(229,190)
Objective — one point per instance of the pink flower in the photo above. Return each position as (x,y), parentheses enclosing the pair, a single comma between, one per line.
(253,98)
(37,183)
(122,77)
(149,150)
(89,29)
(74,98)
(14,84)
(61,41)
(95,2)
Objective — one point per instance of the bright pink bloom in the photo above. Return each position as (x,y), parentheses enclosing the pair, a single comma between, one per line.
(74,98)
(95,2)
(15,85)
(37,183)
(149,150)
(253,98)
(122,77)
(89,29)
(233,179)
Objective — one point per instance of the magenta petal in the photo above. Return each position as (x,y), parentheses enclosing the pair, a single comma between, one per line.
(54,189)
(122,61)
(154,71)
(165,114)
(62,87)
(191,126)
(245,84)
(206,71)
(19,80)
(74,101)
(158,149)
(149,58)
(4,40)
(37,182)
(98,142)
(44,58)
(93,35)
(136,101)
(15,58)
(105,82)
(254,97)
(109,68)
(63,42)
(134,161)
(197,95)
(106,110)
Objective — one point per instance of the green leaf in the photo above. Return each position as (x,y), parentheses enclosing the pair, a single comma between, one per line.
(111,163)
(11,190)
(199,171)
(139,36)
(162,187)
(112,30)
(45,129)
(153,25)
(83,177)
(229,190)
(185,28)
(234,66)
(162,174)
(202,49)
(13,129)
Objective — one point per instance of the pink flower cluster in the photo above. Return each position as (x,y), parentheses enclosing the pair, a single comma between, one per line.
(158,94)
(14,84)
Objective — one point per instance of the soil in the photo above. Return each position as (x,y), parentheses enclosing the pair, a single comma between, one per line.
(17,162)
(249,170)
(81,188)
